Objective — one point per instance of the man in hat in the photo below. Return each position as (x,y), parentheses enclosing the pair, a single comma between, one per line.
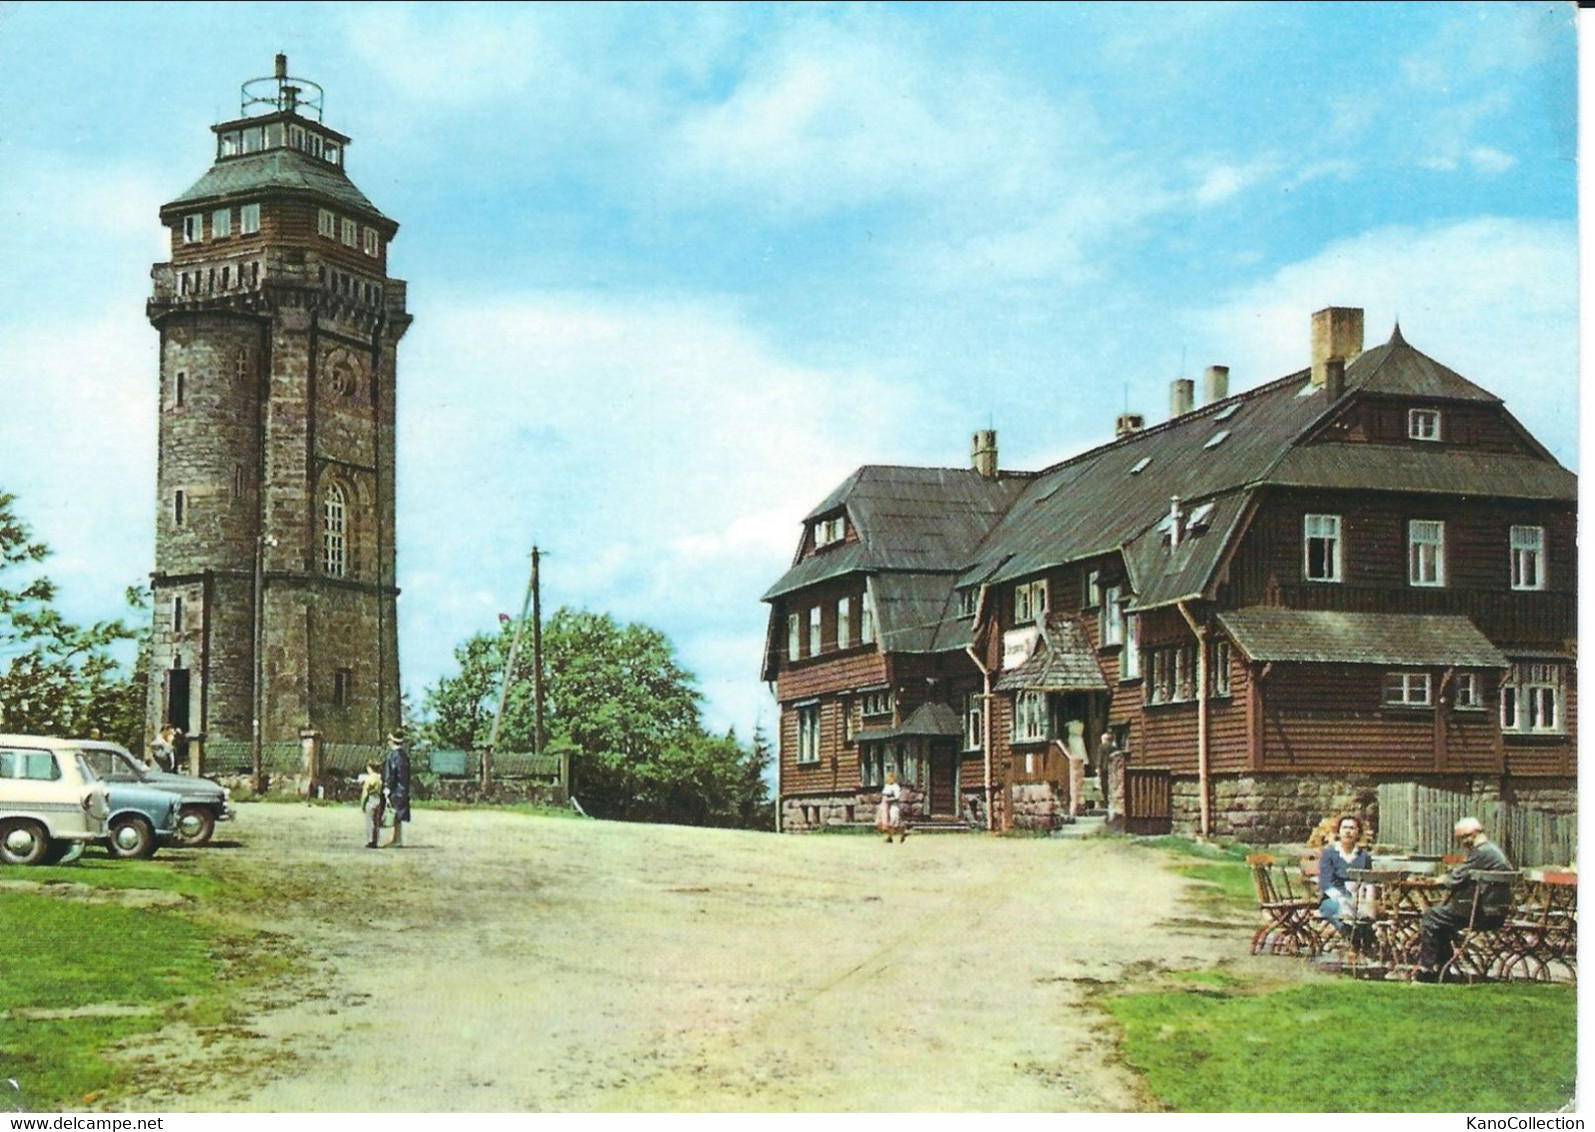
(1440,926)
(396,786)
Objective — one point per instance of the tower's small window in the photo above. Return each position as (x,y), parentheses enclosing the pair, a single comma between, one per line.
(179,508)
(248,219)
(221,223)
(194,228)
(351,233)
(252,140)
(227,278)
(238,480)
(326,224)
(274,135)
(343,687)
(177,614)
(314,145)
(371,241)
(179,388)
(331,154)
(230,144)
(334,541)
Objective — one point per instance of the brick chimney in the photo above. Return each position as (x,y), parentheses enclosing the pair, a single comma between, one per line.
(1215,384)
(1182,395)
(1128,423)
(983,453)
(1337,333)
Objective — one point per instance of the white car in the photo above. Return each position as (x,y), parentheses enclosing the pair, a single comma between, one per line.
(51,801)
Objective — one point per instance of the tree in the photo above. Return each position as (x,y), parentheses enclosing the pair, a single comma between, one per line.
(60,678)
(617,699)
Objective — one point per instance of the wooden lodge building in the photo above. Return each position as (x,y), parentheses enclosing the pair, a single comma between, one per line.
(1236,622)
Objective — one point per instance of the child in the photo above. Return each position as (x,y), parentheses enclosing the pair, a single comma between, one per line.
(371,802)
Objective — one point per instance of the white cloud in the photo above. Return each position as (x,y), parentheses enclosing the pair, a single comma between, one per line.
(1495,299)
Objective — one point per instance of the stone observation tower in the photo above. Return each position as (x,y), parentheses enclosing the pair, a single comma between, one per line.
(274,563)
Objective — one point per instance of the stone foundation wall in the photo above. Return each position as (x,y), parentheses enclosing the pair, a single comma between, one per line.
(802,814)
(1284,809)
(1038,806)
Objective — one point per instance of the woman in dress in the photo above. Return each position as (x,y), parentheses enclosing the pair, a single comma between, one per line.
(889,814)
(1334,882)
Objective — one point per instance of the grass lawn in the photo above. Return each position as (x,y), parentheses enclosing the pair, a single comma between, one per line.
(79,976)
(1224,1043)
(1405,1047)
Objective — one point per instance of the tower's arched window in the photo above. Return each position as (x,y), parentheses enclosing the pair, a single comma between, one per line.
(334,532)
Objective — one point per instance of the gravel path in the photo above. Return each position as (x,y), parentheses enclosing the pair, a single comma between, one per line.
(506,962)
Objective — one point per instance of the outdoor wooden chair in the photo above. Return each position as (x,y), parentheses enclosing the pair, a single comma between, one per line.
(1287,918)
(1540,940)
(1477,950)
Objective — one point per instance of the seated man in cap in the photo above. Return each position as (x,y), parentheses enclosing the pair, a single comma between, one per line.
(1444,922)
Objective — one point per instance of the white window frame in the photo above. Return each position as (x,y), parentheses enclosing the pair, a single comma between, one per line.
(808,737)
(1130,657)
(1528,557)
(1423,424)
(1029,601)
(1469,692)
(875,702)
(1426,552)
(974,721)
(815,628)
(351,233)
(248,219)
(968,599)
(326,224)
(1093,589)
(194,228)
(221,223)
(1218,667)
(1031,717)
(866,620)
(844,623)
(370,238)
(1323,529)
(1534,699)
(334,532)
(1408,689)
(1110,625)
(794,637)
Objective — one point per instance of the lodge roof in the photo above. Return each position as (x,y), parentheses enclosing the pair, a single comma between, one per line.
(275,170)
(1318,636)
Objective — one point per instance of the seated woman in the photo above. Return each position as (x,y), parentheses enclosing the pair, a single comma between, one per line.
(1334,884)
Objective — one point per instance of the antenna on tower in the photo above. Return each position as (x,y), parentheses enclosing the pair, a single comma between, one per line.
(280,92)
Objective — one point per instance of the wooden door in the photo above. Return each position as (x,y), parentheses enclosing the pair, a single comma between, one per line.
(942,794)
(1148,805)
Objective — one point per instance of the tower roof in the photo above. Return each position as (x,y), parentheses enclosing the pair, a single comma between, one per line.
(281,170)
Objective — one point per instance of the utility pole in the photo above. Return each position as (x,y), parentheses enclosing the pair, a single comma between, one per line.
(539,737)
(509,674)
(257,772)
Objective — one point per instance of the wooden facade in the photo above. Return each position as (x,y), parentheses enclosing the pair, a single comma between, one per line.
(1412,615)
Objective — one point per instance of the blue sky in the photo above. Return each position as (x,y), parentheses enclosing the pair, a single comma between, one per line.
(676,271)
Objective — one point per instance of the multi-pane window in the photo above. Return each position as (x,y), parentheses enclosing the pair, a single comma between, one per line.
(794,636)
(844,622)
(371,241)
(1093,589)
(1111,619)
(194,228)
(334,532)
(814,630)
(808,721)
(974,721)
(1171,674)
(249,219)
(1185,673)
(1218,666)
(1030,717)
(871,764)
(1029,601)
(967,600)
(1469,697)
(1426,552)
(828,531)
(1528,558)
(221,223)
(351,233)
(876,702)
(1423,424)
(1321,542)
(866,620)
(326,224)
(1407,689)
(1130,658)
(1532,699)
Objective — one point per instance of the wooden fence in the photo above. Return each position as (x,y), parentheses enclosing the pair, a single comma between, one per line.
(1419,819)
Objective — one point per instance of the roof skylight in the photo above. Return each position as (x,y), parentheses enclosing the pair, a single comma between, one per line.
(1217,438)
(1227,412)
(1140,465)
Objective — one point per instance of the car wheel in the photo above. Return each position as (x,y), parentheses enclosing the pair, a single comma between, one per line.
(131,837)
(23,842)
(62,852)
(195,824)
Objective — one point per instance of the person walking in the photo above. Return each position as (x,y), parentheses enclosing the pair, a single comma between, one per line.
(371,802)
(889,814)
(396,786)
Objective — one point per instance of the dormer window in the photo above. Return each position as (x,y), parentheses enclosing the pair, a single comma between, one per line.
(1423,424)
(826,531)
(967,600)
(1029,601)
(221,223)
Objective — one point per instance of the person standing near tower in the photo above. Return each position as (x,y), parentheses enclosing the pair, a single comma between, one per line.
(396,786)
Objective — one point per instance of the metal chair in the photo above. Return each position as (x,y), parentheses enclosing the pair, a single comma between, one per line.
(1477,948)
